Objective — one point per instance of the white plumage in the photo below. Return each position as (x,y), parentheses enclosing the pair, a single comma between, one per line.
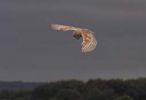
(89,41)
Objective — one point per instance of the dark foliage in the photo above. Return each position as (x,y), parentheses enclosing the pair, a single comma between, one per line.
(78,90)
(18,85)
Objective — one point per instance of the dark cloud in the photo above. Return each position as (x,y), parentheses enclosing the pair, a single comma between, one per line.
(30,51)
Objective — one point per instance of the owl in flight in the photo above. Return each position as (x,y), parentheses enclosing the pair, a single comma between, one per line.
(89,41)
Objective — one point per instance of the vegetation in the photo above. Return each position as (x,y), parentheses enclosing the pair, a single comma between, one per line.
(78,90)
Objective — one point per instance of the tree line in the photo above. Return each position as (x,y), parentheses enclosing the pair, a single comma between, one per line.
(94,89)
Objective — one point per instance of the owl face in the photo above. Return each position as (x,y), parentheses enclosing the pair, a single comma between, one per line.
(77,35)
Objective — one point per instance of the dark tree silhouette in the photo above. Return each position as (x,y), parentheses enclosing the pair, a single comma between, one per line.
(98,89)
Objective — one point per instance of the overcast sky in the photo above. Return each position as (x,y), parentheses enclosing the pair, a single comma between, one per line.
(29,51)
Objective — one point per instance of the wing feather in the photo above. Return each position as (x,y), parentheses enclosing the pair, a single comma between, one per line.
(59,27)
(89,41)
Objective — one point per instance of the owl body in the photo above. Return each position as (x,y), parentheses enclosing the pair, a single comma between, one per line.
(89,41)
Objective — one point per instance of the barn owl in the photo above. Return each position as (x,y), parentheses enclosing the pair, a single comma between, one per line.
(89,41)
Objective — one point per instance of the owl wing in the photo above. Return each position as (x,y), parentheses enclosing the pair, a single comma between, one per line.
(89,41)
(59,27)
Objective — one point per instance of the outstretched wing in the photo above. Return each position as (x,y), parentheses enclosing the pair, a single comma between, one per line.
(89,42)
(59,27)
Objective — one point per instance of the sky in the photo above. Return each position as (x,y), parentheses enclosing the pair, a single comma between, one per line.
(30,51)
